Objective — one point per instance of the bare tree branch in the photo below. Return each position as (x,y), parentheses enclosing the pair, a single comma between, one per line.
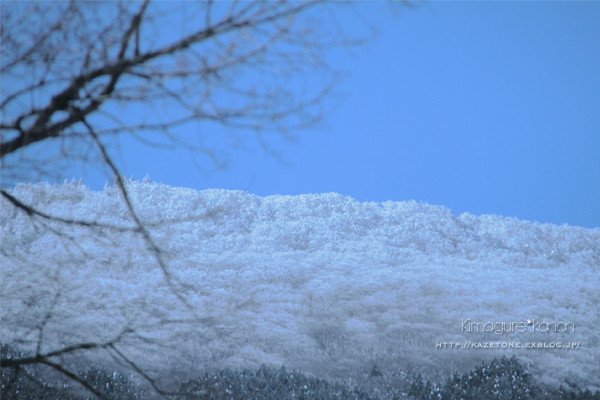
(71,375)
(34,212)
(140,372)
(40,41)
(68,69)
(42,128)
(134,27)
(67,350)
(153,247)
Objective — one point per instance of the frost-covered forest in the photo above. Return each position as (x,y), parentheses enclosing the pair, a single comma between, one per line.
(318,282)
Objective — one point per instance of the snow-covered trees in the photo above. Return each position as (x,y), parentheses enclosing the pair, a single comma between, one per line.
(77,74)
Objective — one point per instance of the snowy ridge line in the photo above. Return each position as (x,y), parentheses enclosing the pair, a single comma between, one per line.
(317,282)
(318,220)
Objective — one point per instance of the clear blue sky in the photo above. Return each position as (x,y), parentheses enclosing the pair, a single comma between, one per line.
(483,107)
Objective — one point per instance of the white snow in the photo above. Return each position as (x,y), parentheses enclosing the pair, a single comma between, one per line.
(317,282)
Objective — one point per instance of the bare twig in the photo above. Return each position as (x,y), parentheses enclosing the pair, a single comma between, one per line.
(71,375)
(152,246)
(70,221)
(140,372)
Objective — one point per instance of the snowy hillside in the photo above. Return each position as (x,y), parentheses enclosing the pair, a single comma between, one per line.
(317,282)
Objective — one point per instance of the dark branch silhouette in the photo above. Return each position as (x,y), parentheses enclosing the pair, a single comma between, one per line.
(68,69)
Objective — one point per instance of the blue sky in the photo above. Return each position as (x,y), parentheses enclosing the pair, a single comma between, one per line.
(483,107)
